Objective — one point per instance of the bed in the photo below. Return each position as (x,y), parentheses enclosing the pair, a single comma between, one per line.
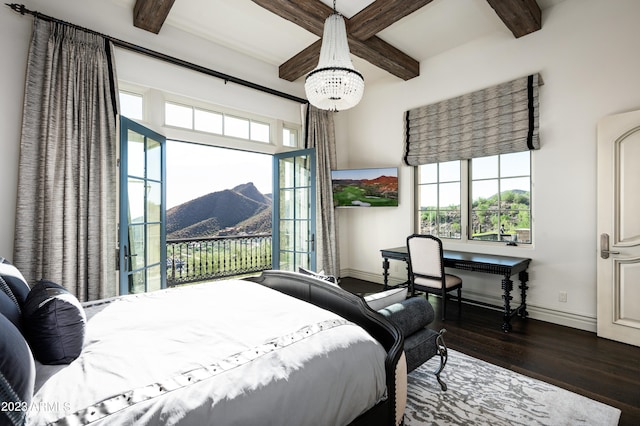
(281,348)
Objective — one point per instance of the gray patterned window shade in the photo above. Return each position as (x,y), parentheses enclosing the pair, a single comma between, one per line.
(497,120)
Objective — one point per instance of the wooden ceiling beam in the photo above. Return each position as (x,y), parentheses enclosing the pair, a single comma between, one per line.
(383,55)
(311,15)
(301,64)
(374,50)
(150,14)
(522,17)
(381,14)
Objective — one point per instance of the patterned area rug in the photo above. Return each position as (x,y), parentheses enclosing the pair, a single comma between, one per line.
(480,393)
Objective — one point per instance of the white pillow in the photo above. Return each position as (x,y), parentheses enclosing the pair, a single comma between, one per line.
(320,275)
(377,301)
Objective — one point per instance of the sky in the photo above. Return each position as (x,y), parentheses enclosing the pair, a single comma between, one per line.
(364,173)
(194,170)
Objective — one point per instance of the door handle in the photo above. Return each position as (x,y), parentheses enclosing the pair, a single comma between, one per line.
(127,255)
(604,247)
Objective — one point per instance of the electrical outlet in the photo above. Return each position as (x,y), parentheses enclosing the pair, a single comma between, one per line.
(562,297)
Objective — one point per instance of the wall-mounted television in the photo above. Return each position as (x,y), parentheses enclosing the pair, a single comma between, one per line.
(375,187)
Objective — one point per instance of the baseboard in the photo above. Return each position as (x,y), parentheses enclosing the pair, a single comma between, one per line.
(371,277)
(581,322)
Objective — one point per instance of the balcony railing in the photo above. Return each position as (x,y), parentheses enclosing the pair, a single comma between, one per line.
(199,259)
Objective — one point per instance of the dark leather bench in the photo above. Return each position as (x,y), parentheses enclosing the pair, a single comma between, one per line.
(420,343)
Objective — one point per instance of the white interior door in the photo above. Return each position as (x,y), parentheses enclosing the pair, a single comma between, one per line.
(618,263)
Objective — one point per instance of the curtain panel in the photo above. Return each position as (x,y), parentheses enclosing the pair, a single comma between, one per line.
(497,120)
(320,134)
(66,206)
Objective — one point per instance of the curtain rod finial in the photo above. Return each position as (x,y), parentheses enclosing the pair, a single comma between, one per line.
(20,8)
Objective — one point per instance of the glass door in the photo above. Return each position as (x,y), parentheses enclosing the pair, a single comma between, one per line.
(142,209)
(294,206)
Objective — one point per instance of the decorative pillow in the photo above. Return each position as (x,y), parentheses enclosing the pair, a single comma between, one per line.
(411,315)
(13,279)
(377,301)
(54,323)
(319,275)
(17,374)
(10,309)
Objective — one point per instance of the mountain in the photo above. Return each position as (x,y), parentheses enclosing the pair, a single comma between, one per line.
(243,209)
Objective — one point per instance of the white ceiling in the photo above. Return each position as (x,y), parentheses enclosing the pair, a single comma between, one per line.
(246,27)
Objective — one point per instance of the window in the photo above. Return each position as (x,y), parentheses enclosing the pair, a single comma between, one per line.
(131,105)
(259,132)
(236,127)
(493,202)
(190,117)
(289,137)
(178,115)
(439,194)
(501,198)
(207,123)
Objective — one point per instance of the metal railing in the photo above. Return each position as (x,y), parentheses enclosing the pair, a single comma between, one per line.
(199,259)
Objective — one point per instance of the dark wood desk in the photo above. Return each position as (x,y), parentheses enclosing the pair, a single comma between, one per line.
(506,266)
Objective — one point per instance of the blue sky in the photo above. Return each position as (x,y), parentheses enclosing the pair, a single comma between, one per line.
(364,173)
(194,170)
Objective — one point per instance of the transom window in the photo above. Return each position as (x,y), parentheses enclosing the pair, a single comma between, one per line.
(219,123)
(131,105)
(483,199)
(205,119)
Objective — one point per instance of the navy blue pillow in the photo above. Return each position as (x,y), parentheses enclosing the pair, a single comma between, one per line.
(13,279)
(53,323)
(9,308)
(17,374)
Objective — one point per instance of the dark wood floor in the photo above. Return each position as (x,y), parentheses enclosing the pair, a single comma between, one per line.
(572,359)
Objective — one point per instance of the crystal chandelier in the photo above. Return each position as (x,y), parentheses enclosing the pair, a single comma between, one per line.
(334,84)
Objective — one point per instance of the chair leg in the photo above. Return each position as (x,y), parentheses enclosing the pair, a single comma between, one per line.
(444,305)
(459,301)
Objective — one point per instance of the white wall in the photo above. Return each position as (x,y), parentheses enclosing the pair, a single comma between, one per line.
(115,20)
(587,55)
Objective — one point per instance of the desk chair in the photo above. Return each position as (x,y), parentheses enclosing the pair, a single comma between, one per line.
(426,269)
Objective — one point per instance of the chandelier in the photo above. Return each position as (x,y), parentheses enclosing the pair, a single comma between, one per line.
(334,84)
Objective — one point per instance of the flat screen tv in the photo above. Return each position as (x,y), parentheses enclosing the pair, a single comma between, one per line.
(376,187)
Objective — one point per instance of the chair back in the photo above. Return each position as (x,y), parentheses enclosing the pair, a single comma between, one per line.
(425,257)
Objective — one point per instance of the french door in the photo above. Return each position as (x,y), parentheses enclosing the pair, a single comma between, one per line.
(294,207)
(142,247)
(618,228)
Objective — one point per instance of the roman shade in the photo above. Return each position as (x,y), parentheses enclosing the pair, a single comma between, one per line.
(497,120)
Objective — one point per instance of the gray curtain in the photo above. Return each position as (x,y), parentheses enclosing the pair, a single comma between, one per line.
(320,134)
(66,207)
(497,120)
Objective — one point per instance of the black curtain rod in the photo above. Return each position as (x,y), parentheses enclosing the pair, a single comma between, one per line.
(20,8)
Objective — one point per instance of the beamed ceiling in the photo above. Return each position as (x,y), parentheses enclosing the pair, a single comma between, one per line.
(364,25)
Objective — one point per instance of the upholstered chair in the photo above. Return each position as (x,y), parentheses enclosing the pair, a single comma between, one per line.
(426,269)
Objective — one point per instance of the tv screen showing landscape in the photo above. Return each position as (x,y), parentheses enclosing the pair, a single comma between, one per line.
(365,187)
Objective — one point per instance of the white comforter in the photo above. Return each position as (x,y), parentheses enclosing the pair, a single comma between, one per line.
(223,353)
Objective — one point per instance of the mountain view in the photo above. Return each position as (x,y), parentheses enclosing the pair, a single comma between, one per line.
(241,210)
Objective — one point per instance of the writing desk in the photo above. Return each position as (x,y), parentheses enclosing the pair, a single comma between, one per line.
(506,266)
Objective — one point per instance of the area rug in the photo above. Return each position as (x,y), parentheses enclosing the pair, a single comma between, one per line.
(480,393)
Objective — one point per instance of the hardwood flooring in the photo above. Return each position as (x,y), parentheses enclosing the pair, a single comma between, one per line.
(572,359)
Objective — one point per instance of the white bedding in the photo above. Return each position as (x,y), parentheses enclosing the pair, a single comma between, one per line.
(224,353)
